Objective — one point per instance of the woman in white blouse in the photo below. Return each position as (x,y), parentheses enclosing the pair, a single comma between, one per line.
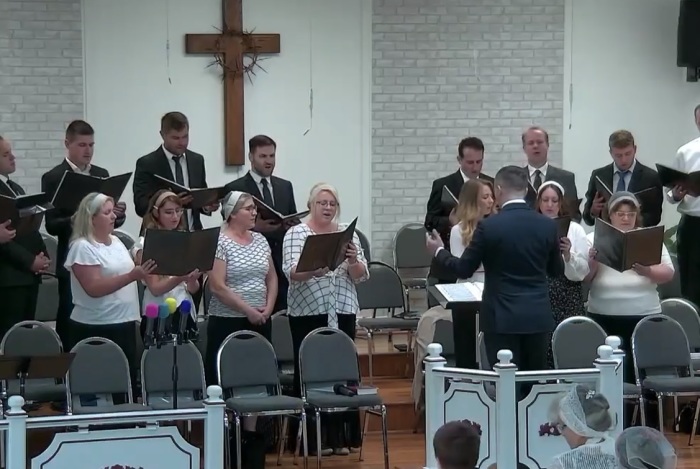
(619,300)
(165,214)
(103,278)
(565,292)
(322,298)
(476,201)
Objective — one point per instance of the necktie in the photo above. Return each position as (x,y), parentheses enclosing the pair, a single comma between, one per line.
(267,195)
(180,179)
(538,180)
(14,187)
(621,186)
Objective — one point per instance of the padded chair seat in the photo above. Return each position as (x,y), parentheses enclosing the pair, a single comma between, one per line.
(158,404)
(389,323)
(327,399)
(40,390)
(629,389)
(672,384)
(243,405)
(106,409)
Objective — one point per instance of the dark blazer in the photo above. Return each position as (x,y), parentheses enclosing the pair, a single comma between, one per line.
(519,249)
(437,216)
(567,179)
(17,256)
(643,177)
(58,222)
(156,162)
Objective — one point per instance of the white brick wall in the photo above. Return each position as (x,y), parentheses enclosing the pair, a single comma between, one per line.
(447,69)
(41,81)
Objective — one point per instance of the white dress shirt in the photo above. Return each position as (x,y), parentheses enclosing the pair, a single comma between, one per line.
(185,177)
(577,268)
(687,160)
(6,180)
(258,182)
(457,247)
(542,169)
(628,176)
(77,169)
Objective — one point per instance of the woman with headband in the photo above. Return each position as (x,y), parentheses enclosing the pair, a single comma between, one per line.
(565,292)
(103,279)
(166,214)
(619,300)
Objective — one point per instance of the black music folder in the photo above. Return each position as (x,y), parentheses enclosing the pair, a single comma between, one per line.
(672,177)
(269,213)
(448,198)
(180,252)
(620,250)
(201,196)
(75,186)
(26,212)
(644,197)
(563,224)
(325,250)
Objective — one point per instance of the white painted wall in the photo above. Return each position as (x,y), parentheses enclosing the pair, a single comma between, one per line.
(621,61)
(324,43)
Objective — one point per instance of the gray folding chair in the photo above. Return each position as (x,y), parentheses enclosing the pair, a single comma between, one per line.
(364,244)
(328,357)
(47,300)
(671,289)
(98,374)
(157,377)
(411,258)
(384,290)
(284,347)
(686,313)
(662,364)
(247,371)
(575,342)
(33,339)
(125,238)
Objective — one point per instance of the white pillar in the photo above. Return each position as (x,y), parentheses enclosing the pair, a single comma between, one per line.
(213,429)
(16,434)
(506,411)
(611,384)
(434,408)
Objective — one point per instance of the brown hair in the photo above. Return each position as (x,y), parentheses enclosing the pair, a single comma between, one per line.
(456,445)
(260,141)
(176,121)
(621,139)
(535,128)
(150,220)
(564,210)
(78,128)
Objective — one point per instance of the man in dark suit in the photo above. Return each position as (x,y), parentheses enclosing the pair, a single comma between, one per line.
(174,161)
(625,173)
(277,193)
(470,156)
(536,146)
(79,143)
(22,260)
(519,249)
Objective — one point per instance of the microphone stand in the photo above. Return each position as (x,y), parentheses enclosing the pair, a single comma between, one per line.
(176,341)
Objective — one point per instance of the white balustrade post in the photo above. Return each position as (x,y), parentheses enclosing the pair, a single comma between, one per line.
(16,434)
(506,411)
(214,429)
(611,384)
(434,408)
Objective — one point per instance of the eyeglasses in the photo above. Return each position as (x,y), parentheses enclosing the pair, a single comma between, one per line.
(173,211)
(327,203)
(628,215)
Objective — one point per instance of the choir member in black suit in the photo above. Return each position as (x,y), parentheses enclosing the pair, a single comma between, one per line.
(22,260)
(470,156)
(79,143)
(539,170)
(625,173)
(277,193)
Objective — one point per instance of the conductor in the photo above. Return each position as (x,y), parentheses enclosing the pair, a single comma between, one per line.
(519,248)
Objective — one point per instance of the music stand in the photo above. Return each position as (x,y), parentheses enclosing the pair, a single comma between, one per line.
(465,329)
(34,367)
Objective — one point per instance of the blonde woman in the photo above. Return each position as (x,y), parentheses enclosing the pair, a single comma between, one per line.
(322,298)
(476,201)
(103,278)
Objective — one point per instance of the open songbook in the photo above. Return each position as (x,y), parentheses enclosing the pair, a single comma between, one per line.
(672,177)
(269,213)
(644,197)
(26,212)
(448,198)
(180,252)
(563,224)
(620,250)
(325,250)
(201,197)
(75,186)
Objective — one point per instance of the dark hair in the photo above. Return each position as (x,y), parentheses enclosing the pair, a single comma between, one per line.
(470,142)
(260,141)
(621,139)
(564,210)
(176,121)
(77,128)
(456,445)
(512,178)
(538,129)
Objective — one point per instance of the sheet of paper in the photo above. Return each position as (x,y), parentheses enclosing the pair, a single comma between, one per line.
(458,292)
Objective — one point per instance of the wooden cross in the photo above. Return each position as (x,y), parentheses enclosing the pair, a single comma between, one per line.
(232,49)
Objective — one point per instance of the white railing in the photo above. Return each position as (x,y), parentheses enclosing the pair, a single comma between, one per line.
(151,446)
(488,399)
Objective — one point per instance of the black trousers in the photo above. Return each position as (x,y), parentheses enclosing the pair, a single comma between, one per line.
(218,328)
(465,336)
(340,429)
(688,237)
(19,305)
(623,327)
(65,308)
(529,353)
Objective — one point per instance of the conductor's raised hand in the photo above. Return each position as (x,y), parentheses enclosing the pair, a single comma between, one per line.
(598,204)
(433,242)
(351,253)
(140,272)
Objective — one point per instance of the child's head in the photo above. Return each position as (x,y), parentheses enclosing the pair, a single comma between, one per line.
(165,212)
(456,445)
